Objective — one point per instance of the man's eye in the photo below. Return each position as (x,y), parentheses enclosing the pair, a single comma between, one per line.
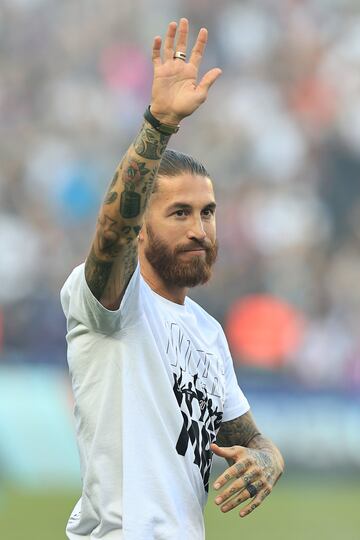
(180,213)
(208,212)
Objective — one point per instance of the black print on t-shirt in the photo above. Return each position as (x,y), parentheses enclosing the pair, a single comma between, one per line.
(197,389)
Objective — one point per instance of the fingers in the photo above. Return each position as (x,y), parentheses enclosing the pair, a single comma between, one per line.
(248,481)
(156,57)
(183,32)
(255,502)
(182,41)
(199,47)
(181,45)
(235,471)
(169,41)
(244,495)
(241,491)
(251,476)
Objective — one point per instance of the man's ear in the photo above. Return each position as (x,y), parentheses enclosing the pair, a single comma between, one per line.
(141,234)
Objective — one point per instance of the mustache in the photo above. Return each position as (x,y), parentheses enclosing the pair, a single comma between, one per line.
(207,245)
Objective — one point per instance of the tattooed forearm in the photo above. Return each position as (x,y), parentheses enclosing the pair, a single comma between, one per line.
(149,144)
(134,176)
(237,432)
(130,204)
(130,261)
(110,197)
(131,232)
(134,172)
(114,180)
(113,255)
(108,237)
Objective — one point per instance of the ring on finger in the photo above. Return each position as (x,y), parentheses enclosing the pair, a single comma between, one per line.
(252,490)
(180,55)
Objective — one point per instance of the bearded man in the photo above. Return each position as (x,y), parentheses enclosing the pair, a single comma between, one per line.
(152,374)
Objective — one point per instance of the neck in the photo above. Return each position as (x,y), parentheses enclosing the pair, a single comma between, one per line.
(172,293)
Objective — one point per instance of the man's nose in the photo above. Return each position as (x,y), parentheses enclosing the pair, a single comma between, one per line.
(197,230)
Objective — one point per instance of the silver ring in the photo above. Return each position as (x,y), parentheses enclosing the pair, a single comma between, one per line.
(252,490)
(180,55)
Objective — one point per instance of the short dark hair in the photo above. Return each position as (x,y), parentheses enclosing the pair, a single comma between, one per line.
(174,163)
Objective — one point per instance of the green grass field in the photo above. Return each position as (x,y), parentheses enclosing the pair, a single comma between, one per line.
(298,509)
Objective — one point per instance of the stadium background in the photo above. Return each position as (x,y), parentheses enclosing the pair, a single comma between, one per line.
(280,135)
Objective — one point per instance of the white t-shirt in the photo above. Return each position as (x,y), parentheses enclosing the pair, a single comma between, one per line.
(152,382)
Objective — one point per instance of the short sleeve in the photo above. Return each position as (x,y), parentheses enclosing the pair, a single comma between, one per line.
(81,306)
(236,403)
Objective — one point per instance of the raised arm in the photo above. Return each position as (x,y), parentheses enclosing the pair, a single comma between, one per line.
(256,464)
(175,95)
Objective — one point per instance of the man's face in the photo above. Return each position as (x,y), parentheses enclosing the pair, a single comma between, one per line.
(179,233)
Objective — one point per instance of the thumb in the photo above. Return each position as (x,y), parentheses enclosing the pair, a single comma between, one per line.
(209,78)
(223,451)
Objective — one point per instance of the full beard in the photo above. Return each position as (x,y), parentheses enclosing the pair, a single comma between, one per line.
(178,273)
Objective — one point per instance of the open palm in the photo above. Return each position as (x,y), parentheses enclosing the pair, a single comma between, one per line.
(175,91)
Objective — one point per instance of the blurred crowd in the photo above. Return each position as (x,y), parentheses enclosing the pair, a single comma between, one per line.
(280,135)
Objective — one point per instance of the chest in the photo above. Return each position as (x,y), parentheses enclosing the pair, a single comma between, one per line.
(194,360)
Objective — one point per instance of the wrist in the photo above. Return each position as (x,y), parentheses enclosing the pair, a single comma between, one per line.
(162,127)
(169,119)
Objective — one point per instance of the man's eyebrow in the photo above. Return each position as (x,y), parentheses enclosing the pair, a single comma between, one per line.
(211,206)
(187,206)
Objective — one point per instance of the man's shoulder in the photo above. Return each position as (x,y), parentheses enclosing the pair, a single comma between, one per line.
(66,289)
(75,272)
(202,314)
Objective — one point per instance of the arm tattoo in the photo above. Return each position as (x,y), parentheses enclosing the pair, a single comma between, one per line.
(97,273)
(108,236)
(113,255)
(130,204)
(114,180)
(243,432)
(110,197)
(150,144)
(131,232)
(130,261)
(134,172)
(130,201)
(237,432)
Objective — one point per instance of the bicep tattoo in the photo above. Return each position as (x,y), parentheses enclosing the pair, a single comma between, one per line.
(105,279)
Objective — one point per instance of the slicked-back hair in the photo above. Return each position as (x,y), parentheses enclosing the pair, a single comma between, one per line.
(174,163)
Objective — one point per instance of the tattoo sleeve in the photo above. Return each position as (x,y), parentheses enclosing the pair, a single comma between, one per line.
(113,254)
